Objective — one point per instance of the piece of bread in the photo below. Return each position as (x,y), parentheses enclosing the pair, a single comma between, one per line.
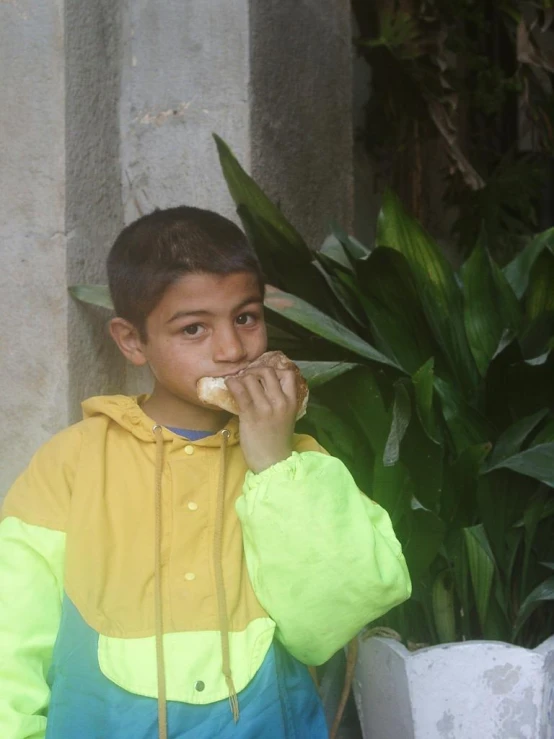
(212,390)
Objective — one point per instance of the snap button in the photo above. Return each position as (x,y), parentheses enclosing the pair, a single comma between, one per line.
(199,686)
(192,506)
(190,576)
(189,449)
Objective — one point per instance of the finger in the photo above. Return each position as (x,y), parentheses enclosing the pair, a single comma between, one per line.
(255,384)
(269,380)
(287,381)
(240,393)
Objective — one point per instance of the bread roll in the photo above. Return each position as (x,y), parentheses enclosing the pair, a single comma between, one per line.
(212,390)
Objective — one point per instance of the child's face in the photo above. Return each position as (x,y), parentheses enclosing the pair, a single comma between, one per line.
(205,325)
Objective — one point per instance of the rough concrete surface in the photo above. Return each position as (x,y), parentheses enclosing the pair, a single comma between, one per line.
(301,114)
(478,689)
(185,70)
(33,319)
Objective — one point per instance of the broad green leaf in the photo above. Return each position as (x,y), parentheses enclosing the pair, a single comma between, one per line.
(517,272)
(354,248)
(424,460)
(423,382)
(343,286)
(509,443)
(245,191)
(334,250)
(421,533)
(546,434)
(436,285)
(537,337)
(541,594)
(394,309)
(302,313)
(536,462)
(531,518)
(332,432)
(489,305)
(466,426)
(356,397)
(460,486)
(539,297)
(443,607)
(298,276)
(401,414)
(481,568)
(93,295)
(318,373)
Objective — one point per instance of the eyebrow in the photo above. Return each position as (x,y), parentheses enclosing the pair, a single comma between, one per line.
(187,313)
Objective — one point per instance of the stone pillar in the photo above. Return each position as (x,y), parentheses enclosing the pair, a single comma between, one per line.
(301,111)
(107,112)
(34,367)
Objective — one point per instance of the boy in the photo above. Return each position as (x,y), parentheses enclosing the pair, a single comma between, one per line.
(168,570)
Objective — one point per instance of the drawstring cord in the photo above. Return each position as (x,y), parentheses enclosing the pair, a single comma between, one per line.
(160,666)
(220,585)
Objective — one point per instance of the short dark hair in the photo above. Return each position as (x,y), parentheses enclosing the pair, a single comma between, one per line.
(157,249)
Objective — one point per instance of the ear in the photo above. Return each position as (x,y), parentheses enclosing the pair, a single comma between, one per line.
(128,340)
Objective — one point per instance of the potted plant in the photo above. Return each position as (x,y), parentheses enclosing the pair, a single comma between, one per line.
(436,388)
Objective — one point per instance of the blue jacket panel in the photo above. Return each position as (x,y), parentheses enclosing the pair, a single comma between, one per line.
(281,702)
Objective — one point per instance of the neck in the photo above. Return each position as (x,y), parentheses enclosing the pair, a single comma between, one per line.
(167,410)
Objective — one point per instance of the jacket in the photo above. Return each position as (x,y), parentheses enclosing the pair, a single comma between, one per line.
(174,574)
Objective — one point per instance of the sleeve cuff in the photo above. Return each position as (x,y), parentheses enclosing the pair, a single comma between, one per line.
(291,468)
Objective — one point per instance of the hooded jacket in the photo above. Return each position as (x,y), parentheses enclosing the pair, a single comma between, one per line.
(167,570)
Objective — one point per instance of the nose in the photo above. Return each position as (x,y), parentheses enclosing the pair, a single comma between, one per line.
(227,346)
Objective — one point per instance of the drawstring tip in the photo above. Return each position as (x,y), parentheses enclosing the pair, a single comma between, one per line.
(233,699)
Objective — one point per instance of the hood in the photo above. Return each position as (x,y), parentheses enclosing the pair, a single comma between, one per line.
(126,411)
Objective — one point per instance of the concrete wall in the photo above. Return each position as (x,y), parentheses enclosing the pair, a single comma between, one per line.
(34,368)
(301,115)
(107,111)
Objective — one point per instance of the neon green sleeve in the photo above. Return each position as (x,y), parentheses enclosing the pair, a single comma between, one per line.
(31,573)
(323,558)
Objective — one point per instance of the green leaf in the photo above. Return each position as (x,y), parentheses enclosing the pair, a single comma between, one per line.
(93,295)
(509,443)
(354,248)
(436,285)
(517,272)
(343,286)
(332,432)
(541,594)
(424,460)
(421,533)
(490,306)
(443,607)
(319,373)
(536,462)
(334,250)
(423,382)
(401,414)
(302,313)
(297,275)
(539,298)
(460,487)
(466,426)
(481,568)
(245,191)
(394,310)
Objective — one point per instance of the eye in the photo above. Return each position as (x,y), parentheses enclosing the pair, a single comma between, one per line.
(195,329)
(247,319)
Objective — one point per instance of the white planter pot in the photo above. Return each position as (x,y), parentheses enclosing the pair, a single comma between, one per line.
(467,690)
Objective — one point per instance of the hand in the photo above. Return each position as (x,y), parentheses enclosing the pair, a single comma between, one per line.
(266,398)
